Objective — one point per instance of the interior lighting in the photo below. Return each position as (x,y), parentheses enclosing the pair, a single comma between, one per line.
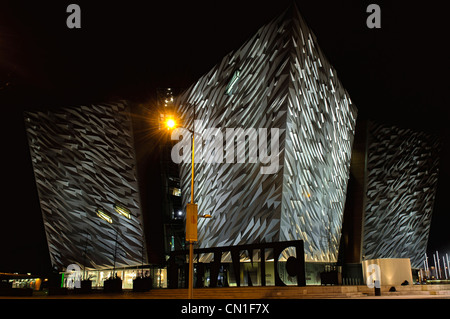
(125,212)
(103,215)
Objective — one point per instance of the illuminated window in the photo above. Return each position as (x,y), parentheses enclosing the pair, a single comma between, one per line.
(122,210)
(234,79)
(178,214)
(175,191)
(103,215)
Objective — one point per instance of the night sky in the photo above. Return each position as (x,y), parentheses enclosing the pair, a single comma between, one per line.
(398,74)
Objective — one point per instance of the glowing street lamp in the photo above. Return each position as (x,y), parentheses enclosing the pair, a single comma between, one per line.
(171,123)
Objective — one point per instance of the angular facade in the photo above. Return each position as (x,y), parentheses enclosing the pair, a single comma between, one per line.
(85,171)
(279,92)
(402,175)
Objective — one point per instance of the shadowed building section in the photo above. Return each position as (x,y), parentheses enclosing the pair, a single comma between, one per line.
(402,176)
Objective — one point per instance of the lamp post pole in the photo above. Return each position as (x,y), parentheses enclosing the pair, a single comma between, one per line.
(192,224)
(191,219)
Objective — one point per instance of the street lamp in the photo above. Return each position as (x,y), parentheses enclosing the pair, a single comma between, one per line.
(171,123)
(191,214)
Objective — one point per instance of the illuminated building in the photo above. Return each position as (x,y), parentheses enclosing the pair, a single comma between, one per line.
(96,207)
(85,171)
(90,187)
(279,79)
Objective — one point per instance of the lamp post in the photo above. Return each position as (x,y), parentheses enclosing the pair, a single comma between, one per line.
(191,214)
(191,226)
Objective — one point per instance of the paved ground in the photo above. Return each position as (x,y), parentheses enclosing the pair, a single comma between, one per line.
(248,302)
(255,293)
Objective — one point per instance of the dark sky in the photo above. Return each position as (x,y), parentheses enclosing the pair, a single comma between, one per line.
(126,49)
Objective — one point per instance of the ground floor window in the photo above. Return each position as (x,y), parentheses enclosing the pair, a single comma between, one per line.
(72,279)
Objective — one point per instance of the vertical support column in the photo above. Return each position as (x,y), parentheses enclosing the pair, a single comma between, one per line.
(262,254)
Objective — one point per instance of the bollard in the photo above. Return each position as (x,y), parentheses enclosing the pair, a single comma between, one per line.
(377,287)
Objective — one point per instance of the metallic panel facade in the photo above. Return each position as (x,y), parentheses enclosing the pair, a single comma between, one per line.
(83,160)
(277,79)
(321,122)
(402,176)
